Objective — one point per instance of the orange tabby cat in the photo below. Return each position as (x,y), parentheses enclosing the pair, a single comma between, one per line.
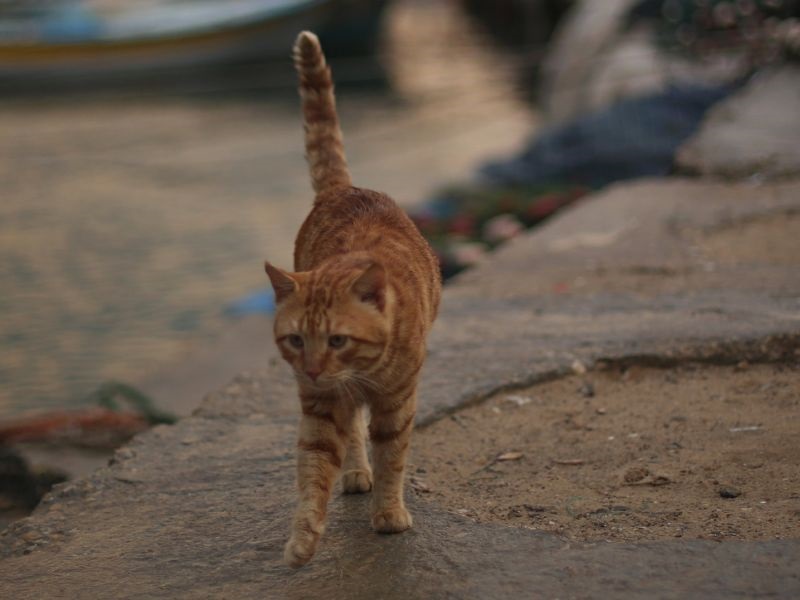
(351,321)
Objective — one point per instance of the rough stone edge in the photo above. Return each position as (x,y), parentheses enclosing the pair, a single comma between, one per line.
(767,349)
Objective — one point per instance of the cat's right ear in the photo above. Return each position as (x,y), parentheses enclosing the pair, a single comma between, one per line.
(282,282)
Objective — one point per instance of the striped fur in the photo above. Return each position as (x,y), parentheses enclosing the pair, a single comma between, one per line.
(351,321)
(324,146)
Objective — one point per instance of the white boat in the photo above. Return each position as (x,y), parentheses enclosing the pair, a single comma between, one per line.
(65,36)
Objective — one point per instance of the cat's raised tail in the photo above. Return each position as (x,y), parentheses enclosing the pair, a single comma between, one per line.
(324,146)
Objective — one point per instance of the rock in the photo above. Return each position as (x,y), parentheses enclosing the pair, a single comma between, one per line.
(643,476)
(659,479)
(124,454)
(567,64)
(518,400)
(22,486)
(635,474)
(596,59)
(31,535)
(506,456)
(753,133)
(745,428)
(729,492)
(418,485)
(604,511)
(578,367)
(569,461)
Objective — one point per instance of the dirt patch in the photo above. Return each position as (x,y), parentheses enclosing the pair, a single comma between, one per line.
(633,454)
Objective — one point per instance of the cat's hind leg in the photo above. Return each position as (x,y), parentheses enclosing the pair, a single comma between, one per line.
(356,472)
(323,434)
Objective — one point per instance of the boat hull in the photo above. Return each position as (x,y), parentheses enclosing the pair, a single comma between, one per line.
(267,36)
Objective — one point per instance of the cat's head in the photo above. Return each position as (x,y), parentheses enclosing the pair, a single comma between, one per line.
(331,324)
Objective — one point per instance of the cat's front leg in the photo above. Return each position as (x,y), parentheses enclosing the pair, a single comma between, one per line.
(321,448)
(356,472)
(390,431)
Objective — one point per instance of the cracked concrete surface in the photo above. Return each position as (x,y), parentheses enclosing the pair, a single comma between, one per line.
(200,509)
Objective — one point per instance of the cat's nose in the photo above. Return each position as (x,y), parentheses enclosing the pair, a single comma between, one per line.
(313,373)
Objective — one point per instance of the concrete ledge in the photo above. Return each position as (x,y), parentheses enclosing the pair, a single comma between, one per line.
(628,272)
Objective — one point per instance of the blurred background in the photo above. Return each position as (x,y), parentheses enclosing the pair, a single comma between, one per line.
(151,158)
(143,187)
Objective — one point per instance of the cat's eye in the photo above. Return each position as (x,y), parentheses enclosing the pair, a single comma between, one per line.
(295,340)
(337,341)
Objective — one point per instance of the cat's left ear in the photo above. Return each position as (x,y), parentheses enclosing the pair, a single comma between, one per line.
(370,286)
(282,282)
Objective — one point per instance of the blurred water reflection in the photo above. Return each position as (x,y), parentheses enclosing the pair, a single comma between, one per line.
(132,214)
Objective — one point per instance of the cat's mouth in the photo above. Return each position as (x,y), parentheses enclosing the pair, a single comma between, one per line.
(323,383)
(330,383)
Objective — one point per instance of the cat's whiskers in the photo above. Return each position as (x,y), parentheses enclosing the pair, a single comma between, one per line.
(359,383)
(365,382)
(343,389)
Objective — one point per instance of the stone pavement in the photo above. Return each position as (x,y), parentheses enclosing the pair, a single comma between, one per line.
(653,272)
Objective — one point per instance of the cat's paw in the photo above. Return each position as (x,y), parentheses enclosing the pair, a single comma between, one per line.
(392,520)
(302,543)
(356,481)
(299,550)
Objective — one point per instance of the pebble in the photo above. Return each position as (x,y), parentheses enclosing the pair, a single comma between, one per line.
(636,474)
(420,486)
(518,400)
(586,390)
(729,492)
(459,420)
(643,476)
(578,367)
(124,454)
(509,456)
(658,480)
(31,536)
